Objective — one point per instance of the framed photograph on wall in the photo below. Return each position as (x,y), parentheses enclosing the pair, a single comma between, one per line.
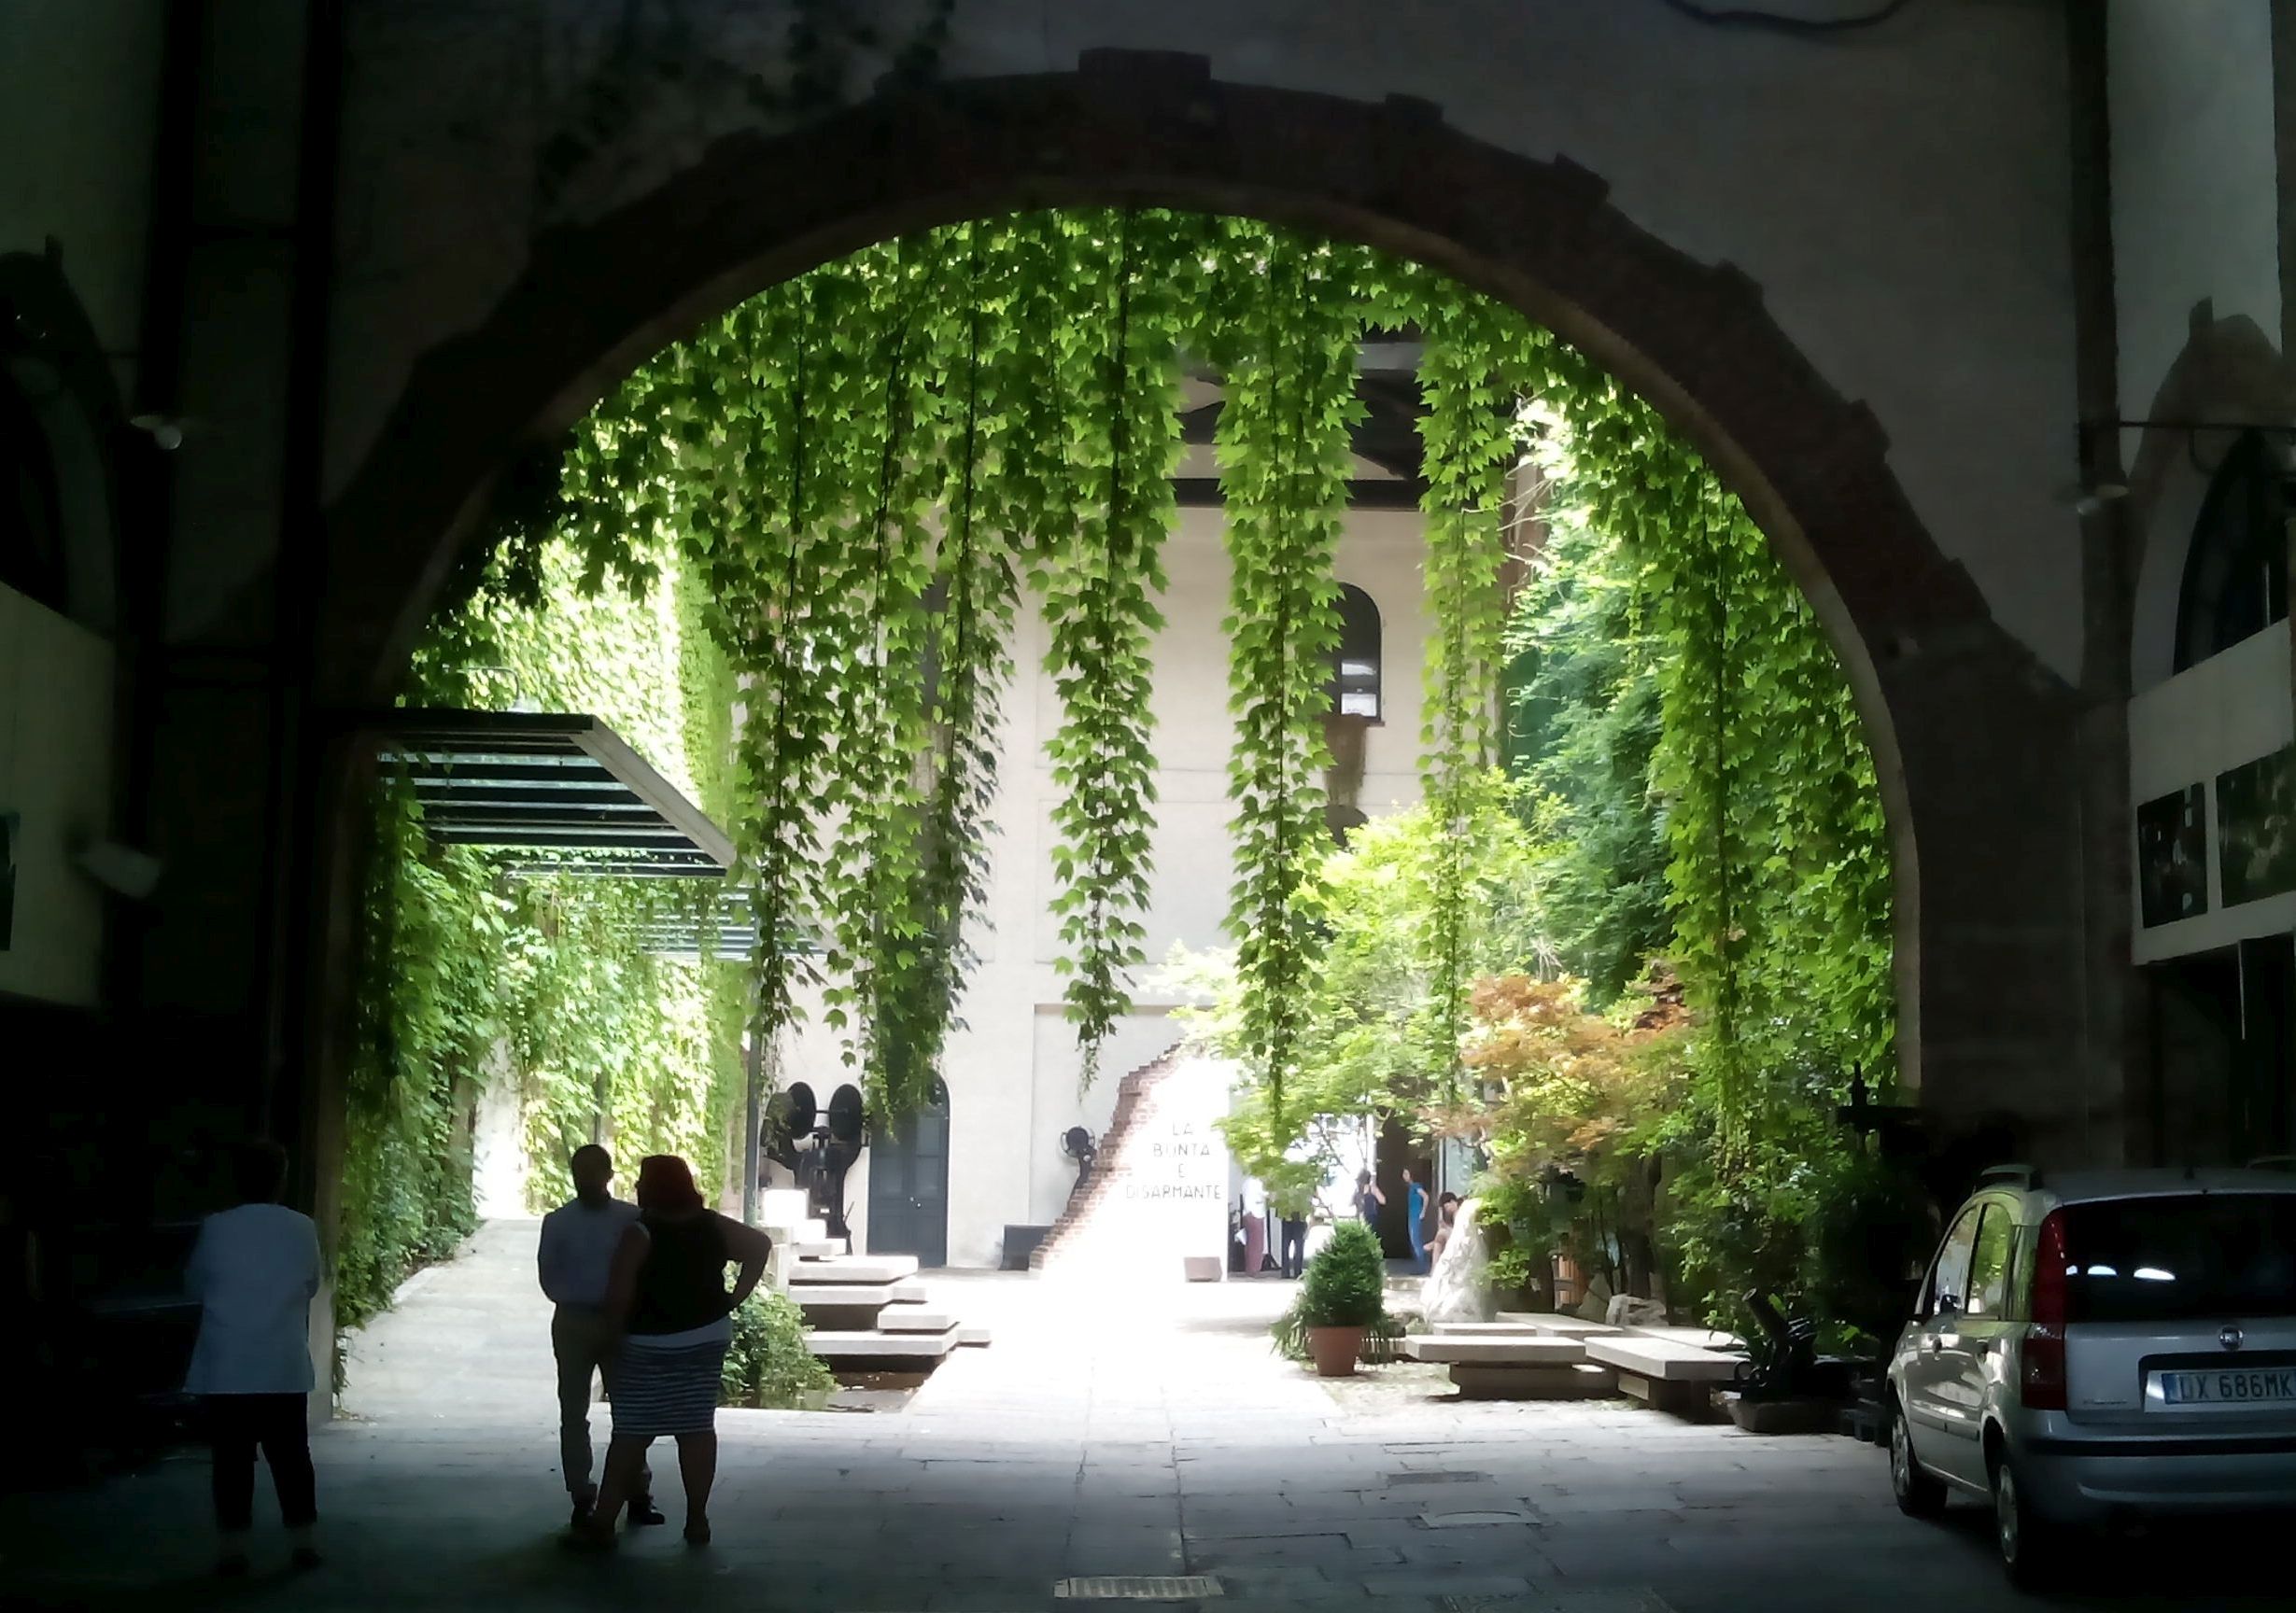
(2256,827)
(2172,856)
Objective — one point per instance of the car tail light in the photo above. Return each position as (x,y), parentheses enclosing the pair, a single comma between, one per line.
(2041,1382)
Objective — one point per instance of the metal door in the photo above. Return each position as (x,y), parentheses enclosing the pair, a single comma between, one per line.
(909,1184)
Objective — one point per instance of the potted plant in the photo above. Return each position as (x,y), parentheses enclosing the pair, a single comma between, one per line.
(1343,1293)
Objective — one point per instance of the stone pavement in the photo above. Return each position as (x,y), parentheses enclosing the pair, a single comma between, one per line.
(1108,1432)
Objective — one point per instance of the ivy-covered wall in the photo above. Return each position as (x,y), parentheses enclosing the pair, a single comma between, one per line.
(461,961)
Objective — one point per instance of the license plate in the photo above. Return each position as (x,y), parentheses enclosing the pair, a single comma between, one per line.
(2227,1387)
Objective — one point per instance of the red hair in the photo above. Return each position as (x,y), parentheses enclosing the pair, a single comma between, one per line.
(666,1182)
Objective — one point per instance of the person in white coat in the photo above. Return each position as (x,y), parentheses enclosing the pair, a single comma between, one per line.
(254,1271)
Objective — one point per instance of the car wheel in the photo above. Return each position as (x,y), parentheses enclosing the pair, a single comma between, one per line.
(1919,1495)
(2030,1544)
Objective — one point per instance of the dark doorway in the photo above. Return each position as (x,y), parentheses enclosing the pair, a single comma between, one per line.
(1399,1151)
(909,1184)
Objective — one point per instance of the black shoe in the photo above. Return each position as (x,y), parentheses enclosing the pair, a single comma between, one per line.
(644,1513)
(581,1519)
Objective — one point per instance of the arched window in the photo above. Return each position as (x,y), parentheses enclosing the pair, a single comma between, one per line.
(2235,575)
(1355,661)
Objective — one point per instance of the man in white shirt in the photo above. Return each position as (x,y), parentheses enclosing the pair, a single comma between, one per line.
(254,1271)
(575,1257)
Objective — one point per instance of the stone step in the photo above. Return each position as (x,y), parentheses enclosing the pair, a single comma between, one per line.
(915,1319)
(909,1291)
(816,1248)
(973,1335)
(842,1296)
(879,1347)
(854,1269)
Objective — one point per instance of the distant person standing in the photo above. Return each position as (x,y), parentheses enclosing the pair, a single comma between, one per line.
(576,1260)
(1369,1200)
(254,1271)
(1294,1237)
(1414,1207)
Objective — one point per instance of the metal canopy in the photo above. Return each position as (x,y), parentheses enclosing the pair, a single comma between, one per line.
(562,792)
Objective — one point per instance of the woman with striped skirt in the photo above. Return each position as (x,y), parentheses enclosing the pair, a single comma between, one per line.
(667,1289)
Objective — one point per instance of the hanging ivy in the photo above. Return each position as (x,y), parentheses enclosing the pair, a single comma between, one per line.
(1477,357)
(1099,589)
(863,463)
(1287,341)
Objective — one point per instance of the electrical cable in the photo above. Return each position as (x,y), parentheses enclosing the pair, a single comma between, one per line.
(1801,27)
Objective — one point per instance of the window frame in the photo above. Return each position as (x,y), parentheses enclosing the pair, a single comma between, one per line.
(2243,522)
(1362,636)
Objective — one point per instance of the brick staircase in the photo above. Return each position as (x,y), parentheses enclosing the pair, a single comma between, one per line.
(1132,1107)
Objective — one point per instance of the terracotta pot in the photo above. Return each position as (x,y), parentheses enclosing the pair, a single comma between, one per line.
(1334,1350)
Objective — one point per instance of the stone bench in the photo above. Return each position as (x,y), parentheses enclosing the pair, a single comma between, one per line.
(1558,1323)
(1521,1349)
(1691,1337)
(1678,1378)
(1514,1366)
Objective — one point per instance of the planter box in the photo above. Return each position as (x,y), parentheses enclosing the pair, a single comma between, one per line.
(1202,1268)
(1783,1416)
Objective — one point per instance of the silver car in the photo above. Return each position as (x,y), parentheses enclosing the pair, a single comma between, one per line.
(2097,1345)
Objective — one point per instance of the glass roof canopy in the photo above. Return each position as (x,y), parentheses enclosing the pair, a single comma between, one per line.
(556,792)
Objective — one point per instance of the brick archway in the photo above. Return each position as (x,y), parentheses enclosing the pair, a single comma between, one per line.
(1974,740)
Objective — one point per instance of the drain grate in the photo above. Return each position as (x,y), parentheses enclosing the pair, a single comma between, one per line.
(1140,1588)
(1436,1476)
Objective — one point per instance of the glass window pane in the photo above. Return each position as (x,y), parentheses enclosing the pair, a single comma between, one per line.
(2182,1258)
(1989,1262)
(1950,1280)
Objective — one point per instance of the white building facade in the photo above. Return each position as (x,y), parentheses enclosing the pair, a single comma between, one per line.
(1013,1072)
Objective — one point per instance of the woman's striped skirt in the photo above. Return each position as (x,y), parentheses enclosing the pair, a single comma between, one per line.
(668,1385)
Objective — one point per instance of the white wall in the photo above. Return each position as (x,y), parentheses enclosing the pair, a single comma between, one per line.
(1013,1072)
(2231,709)
(2195,186)
(55,775)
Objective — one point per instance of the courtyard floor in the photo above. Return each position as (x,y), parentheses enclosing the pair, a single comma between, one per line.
(1135,1432)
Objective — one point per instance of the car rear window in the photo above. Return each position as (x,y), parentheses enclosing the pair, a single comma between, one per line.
(2187,1257)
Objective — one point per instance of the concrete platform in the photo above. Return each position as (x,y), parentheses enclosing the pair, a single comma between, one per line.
(915,1319)
(1583,1381)
(1519,1350)
(855,1268)
(1691,1337)
(1558,1322)
(1662,1360)
(837,1346)
(844,1296)
(1497,1330)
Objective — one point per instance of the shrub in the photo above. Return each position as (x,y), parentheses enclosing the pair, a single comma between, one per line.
(768,1363)
(1346,1284)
